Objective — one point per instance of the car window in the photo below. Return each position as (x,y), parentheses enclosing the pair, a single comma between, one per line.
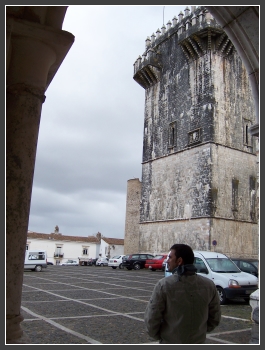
(199,264)
(247,267)
(222,265)
(143,257)
(150,256)
(135,256)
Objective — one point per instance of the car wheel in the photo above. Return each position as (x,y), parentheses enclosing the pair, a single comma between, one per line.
(101,264)
(153,269)
(222,295)
(128,268)
(114,267)
(120,266)
(38,268)
(136,266)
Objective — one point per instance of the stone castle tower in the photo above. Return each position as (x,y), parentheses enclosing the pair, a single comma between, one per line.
(199,163)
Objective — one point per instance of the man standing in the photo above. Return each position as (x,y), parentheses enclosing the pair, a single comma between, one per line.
(184,306)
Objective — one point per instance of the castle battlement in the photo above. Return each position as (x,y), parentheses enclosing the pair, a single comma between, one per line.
(197,32)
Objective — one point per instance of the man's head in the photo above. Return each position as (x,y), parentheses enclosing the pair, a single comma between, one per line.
(180,254)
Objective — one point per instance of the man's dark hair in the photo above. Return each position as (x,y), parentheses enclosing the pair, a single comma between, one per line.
(185,252)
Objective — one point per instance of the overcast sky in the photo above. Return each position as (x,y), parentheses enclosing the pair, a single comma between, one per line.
(90,137)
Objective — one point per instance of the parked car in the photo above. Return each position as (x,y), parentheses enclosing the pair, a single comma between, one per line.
(70,263)
(116,261)
(230,281)
(92,262)
(156,263)
(248,265)
(102,262)
(49,263)
(125,257)
(35,260)
(135,261)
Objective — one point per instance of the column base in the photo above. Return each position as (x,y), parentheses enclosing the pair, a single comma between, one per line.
(14,333)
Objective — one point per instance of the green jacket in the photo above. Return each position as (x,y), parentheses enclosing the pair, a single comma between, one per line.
(182,309)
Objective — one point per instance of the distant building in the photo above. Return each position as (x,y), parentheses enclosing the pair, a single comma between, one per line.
(111,246)
(199,163)
(60,247)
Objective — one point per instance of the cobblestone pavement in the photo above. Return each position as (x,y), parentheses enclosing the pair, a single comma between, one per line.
(100,305)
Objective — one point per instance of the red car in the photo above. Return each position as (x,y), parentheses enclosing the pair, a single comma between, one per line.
(156,262)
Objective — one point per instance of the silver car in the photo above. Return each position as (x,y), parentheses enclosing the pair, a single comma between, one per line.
(70,263)
(102,262)
(116,261)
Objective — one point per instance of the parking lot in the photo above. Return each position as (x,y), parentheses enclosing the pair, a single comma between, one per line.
(100,305)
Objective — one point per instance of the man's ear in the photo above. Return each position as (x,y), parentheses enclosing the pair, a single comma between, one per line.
(180,261)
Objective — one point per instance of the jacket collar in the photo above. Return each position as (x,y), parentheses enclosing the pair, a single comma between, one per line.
(188,270)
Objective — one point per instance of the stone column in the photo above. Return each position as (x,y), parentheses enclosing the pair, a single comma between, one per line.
(31,65)
(25,95)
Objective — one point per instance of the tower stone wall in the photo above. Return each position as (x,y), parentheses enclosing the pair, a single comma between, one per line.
(199,159)
(131,237)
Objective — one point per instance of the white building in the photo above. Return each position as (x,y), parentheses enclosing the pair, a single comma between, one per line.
(111,246)
(60,247)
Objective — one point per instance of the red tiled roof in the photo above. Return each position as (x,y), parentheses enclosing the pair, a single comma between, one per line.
(61,237)
(117,241)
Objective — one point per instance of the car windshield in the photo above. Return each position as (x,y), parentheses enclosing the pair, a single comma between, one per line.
(256,263)
(116,257)
(222,265)
(158,257)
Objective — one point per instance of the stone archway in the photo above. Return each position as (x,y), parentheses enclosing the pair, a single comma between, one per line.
(241,24)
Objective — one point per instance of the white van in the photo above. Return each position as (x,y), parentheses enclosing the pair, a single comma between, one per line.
(230,281)
(35,260)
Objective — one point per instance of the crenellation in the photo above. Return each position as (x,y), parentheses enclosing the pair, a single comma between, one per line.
(147,42)
(195,22)
(180,16)
(158,33)
(187,11)
(201,16)
(208,17)
(181,29)
(188,24)
(175,21)
(169,25)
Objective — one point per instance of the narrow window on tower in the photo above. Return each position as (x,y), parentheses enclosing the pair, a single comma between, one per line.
(247,139)
(172,135)
(252,190)
(235,196)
